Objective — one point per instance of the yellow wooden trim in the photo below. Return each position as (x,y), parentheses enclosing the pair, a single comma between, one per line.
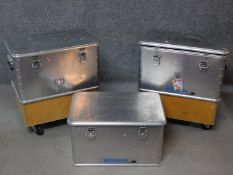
(46,110)
(191,110)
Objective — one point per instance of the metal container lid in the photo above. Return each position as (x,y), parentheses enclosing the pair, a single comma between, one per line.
(116,109)
(22,45)
(183,42)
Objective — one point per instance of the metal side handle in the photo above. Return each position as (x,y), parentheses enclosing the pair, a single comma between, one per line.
(10,62)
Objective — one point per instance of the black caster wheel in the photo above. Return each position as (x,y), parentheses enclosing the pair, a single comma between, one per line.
(39,130)
(207,127)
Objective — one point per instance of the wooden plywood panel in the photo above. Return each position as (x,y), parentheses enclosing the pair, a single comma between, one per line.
(46,110)
(192,110)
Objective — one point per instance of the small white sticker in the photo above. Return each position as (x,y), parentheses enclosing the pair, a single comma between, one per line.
(178,84)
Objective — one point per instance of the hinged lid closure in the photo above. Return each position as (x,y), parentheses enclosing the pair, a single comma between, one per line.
(117,109)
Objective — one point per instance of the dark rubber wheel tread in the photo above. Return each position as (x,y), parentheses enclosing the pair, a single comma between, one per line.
(39,130)
(207,127)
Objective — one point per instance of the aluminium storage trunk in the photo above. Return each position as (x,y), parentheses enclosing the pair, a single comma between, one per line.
(52,64)
(121,128)
(187,71)
(47,68)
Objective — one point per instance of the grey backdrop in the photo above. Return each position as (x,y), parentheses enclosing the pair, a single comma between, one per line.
(118,25)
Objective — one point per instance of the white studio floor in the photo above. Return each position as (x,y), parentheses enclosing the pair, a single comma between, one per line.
(187,149)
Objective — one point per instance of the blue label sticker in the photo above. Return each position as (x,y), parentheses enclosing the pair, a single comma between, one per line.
(115,161)
(172,90)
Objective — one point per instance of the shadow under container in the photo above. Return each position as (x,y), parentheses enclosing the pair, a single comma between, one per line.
(116,129)
(187,74)
(47,69)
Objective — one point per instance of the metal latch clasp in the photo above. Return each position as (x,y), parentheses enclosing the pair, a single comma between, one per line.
(156,58)
(142,133)
(36,65)
(82,56)
(91,133)
(203,66)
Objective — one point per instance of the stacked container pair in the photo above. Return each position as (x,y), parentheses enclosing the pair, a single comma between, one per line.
(47,69)
(187,71)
